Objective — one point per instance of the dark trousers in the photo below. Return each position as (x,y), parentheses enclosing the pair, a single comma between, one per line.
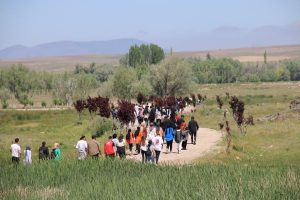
(121,152)
(184,143)
(138,148)
(169,145)
(157,153)
(193,136)
(15,160)
(130,147)
(143,156)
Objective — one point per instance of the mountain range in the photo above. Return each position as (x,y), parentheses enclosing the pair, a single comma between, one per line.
(69,48)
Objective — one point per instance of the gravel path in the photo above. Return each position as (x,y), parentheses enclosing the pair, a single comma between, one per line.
(207,140)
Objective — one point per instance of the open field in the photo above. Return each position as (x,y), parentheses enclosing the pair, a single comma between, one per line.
(67,63)
(63,63)
(255,54)
(263,164)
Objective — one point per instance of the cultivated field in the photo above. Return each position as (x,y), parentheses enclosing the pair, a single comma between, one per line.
(263,164)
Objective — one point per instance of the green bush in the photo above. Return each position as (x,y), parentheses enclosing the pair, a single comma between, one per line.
(5,104)
(44,104)
(99,126)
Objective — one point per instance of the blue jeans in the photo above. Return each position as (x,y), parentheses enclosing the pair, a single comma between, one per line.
(150,159)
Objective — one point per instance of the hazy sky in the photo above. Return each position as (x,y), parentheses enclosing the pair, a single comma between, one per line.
(166,22)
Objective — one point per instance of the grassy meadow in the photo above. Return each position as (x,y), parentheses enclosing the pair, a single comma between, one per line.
(263,164)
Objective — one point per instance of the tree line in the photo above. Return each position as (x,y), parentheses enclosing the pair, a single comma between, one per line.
(149,75)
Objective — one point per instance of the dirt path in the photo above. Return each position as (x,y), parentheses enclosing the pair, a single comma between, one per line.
(207,140)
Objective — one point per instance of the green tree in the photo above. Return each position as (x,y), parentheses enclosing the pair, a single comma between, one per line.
(146,54)
(265,57)
(122,82)
(171,77)
(294,69)
(84,84)
(208,57)
(4,97)
(135,56)
(157,54)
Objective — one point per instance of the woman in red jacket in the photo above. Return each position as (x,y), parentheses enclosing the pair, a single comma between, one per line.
(109,148)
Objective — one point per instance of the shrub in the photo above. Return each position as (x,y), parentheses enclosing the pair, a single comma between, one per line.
(44,104)
(99,126)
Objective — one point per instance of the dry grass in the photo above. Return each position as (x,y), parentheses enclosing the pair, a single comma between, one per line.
(274,53)
(61,63)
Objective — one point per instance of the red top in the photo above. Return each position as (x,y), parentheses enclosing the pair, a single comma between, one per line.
(109,147)
(130,141)
(176,117)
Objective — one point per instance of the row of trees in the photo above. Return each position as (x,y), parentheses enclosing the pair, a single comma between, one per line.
(143,55)
(226,70)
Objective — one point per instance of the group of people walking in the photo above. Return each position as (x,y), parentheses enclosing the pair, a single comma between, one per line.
(44,154)
(148,140)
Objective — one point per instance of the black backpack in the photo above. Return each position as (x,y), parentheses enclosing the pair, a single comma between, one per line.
(148,152)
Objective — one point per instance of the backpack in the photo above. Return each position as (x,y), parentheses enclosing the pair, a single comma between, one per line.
(178,136)
(128,136)
(41,152)
(148,152)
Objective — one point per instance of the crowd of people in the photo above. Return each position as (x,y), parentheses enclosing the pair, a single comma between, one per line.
(155,127)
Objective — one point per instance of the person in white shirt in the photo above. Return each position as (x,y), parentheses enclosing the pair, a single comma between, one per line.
(151,132)
(121,147)
(158,145)
(15,150)
(82,148)
(27,156)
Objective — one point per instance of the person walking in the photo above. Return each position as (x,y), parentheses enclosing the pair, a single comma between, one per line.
(184,135)
(43,152)
(15,150)
(94,148)
(193,128)
(150,152)
(121,147)
(169,136)
(27,156)
(136,136)
(115,141)
(81,147)
(56,153)
(129,140)
(109,148)
(158,145)
(151,131)
(143,149)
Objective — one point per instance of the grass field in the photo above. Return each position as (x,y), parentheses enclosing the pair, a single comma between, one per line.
(263,164)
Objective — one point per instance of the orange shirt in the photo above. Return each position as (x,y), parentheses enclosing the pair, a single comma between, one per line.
(139,138)
(130,141)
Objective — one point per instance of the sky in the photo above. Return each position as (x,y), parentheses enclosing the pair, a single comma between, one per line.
(178,24)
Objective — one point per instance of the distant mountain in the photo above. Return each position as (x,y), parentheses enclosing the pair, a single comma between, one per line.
(69,48)
(228,37)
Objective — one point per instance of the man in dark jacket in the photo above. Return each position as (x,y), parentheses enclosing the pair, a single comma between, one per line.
(193,127)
